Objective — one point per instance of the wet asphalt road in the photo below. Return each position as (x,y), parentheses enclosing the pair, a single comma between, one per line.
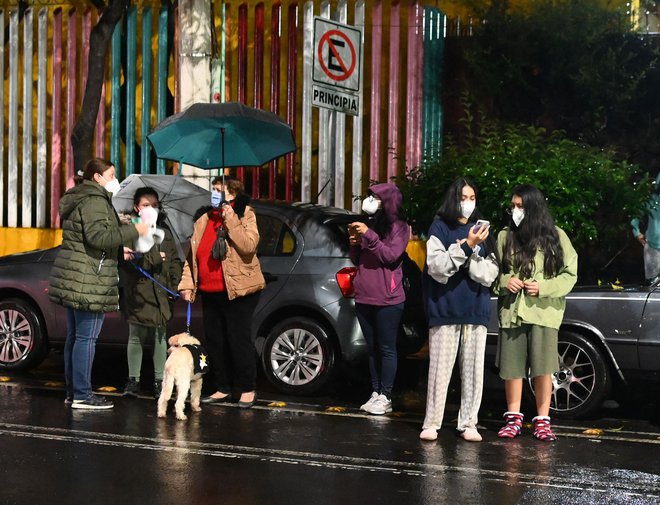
(290,450)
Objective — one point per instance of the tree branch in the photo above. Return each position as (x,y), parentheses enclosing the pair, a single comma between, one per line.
(99,43)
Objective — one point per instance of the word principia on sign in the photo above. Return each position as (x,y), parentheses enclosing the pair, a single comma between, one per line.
(335,100)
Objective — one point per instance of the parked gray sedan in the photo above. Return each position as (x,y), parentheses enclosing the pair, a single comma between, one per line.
(304,324)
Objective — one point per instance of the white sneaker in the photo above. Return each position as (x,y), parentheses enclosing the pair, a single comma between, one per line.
(368,403)
(381,405)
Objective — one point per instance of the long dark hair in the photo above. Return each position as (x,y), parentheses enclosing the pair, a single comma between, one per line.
(450,210)
(536,232)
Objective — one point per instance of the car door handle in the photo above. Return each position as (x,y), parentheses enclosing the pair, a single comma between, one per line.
(622,332)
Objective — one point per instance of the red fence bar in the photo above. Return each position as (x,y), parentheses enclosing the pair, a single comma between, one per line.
(259,23)
(242,64)
(376,63)
(72,82)
(291,102)
(275,24)
(393,95)
(56,139)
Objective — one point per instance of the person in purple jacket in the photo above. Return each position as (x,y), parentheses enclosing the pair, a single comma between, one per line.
(377,249)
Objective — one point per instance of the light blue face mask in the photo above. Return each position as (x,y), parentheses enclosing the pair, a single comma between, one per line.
(217,197)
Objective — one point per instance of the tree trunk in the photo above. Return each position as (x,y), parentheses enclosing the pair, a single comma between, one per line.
(82,138)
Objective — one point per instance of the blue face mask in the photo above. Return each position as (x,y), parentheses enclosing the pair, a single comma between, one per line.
(217,197)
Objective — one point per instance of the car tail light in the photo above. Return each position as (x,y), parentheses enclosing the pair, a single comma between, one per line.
(345,281)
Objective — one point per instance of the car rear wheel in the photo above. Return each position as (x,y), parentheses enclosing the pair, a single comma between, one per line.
(298,356)
(22,342)
(583,379)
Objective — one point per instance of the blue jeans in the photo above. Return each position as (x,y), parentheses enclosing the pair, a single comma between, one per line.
(380,327)
(83,329)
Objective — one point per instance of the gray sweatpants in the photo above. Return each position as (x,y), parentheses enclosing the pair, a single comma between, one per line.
(444,343)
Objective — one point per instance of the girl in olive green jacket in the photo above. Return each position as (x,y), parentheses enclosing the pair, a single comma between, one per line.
(539,268)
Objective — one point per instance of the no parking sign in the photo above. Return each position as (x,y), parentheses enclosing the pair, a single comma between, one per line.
(336,70)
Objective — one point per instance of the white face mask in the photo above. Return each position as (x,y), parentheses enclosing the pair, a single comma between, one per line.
(370,205)
(467,208)
(149,215)
(517,214)
(112,186)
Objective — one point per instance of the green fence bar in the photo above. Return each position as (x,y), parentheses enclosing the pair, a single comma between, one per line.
(131,64)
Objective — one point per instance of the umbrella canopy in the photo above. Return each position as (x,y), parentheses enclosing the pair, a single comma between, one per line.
(219,135)
(179,198)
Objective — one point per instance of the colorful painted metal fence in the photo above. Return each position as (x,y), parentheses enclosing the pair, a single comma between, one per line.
(258,59)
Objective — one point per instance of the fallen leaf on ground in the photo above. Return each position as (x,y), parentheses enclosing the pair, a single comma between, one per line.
(593,431)
(5,379)
(277,404)
(54,384)
(107,389)
(336,409)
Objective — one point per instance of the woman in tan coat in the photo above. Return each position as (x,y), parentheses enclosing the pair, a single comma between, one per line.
(223,268)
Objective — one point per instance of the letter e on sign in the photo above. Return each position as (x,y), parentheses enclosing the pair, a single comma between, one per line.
(336,55)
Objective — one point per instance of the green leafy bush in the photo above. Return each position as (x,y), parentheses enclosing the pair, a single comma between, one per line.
(591,194)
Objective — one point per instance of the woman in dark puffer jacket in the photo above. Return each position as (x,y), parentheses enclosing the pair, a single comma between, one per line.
(84,276)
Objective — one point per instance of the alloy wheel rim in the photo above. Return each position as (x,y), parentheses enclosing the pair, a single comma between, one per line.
(574,384)
(296,357)
(16,336)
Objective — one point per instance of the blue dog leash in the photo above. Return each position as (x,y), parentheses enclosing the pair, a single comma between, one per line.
(189,311)
(174,295)
(149,276)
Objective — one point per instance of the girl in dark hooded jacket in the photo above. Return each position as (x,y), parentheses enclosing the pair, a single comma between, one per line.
(378,251)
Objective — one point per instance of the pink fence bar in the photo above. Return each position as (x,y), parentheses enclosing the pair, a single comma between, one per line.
(275,23)
(259,23)
(376,65)
(72,83)
(393,93)
(291,103)
(242,64)
(56,139)
(86,31)
(413,92)
(100,119)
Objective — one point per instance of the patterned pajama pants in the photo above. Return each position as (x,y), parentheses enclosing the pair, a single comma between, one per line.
(444,343)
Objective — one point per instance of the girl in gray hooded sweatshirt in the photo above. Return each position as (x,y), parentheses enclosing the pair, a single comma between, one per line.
(377,249)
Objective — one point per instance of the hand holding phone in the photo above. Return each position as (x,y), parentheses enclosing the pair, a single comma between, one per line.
(480,223)
(478,233)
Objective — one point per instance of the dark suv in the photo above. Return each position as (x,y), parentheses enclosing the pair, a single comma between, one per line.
(304,324)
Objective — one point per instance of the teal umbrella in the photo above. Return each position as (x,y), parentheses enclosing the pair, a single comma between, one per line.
(219,135)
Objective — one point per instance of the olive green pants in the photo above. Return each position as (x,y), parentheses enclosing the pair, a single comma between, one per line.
(527,347)
(138,336)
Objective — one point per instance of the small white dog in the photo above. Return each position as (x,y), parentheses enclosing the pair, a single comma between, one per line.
(184,367)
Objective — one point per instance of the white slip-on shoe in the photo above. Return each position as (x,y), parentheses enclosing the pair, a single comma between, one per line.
(471,435)
(429,434)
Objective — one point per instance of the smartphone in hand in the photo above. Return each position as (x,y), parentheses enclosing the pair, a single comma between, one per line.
(480,223)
